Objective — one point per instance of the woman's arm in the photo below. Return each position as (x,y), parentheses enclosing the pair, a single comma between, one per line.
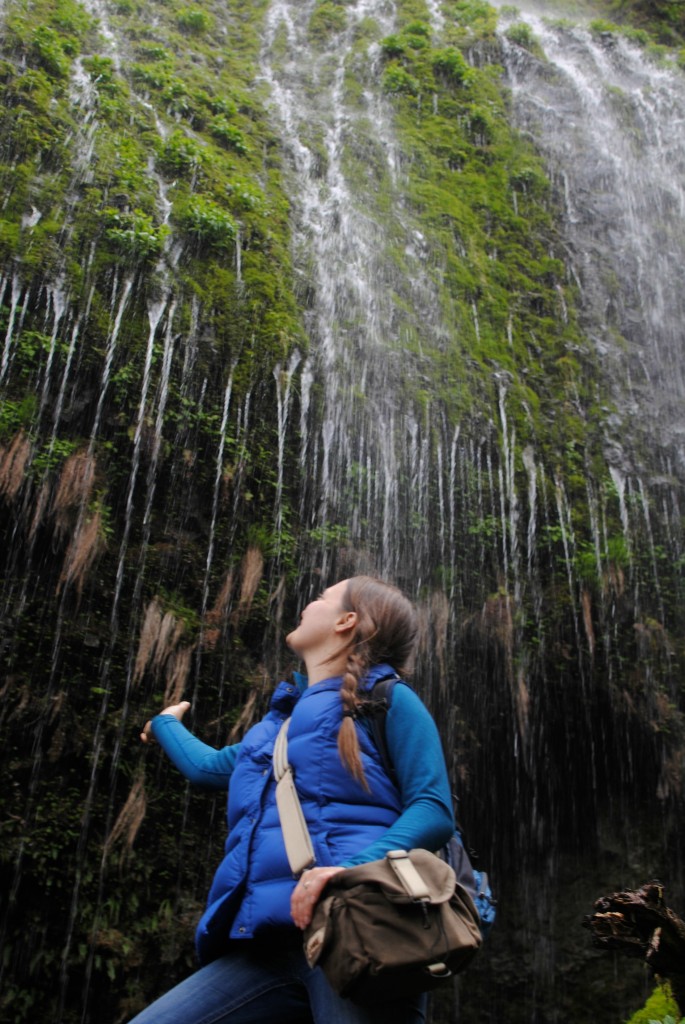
(201,764)
(427,819)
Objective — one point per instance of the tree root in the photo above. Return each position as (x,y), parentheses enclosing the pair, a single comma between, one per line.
(637,923)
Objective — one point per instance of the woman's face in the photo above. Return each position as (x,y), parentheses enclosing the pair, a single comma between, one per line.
(318,622)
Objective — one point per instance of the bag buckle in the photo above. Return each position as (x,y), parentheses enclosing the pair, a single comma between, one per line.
(411,880)
(439,970)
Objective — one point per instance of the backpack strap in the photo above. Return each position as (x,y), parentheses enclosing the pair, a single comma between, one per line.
(374,709)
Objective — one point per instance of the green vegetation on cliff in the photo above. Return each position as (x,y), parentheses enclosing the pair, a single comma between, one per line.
(113,149)
(481,195)
(155,503)
(660,1008)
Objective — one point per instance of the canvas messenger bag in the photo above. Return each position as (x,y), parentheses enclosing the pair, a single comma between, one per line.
(383,930)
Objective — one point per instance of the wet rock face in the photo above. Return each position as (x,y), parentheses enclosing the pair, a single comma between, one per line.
(602,114)
(284,296)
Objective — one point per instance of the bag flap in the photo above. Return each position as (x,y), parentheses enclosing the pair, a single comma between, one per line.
(438,877)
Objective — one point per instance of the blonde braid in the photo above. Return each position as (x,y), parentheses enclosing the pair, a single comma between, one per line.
(386,631)
(348,741)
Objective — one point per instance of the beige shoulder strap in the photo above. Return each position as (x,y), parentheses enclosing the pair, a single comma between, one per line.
(298,842)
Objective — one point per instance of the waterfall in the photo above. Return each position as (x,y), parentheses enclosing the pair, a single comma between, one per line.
(299,289)
(16,296)
(608,119)
(357,329)
(109,356)
(284,379)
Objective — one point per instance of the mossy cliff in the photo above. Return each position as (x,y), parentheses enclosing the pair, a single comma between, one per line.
(163,434)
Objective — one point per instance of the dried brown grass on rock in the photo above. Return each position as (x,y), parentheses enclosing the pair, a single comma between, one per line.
(148,638)
(244,720)
(159,651)
(13,462)
(178,669)
(218,612)
(73,490)
(170,632)
(85,547)
(129,820)
(251,569)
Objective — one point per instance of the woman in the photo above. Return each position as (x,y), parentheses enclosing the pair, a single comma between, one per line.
(358,631)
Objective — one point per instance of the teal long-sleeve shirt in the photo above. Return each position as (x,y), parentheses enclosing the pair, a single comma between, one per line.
(416,753)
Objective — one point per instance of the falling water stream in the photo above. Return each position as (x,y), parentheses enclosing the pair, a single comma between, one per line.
(610,122)
(562,738)
(359,331)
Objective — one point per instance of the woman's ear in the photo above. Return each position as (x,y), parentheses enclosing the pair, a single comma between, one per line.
(346,622)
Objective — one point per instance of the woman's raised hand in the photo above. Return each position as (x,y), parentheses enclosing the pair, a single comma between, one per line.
(177,710)
(306,893)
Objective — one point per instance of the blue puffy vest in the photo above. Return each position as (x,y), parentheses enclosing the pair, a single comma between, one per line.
(251,891)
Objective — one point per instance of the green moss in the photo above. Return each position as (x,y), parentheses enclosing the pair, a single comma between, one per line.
(152,76)
(328,17)
(48,51)
(523,36)
(51,455)
(206,222)
(10,235)
(417,35)
(134,234)
(451,65)
(194,20)
(660,1008)
(397,79)
(16,415)
(183,122)
(180,155)
(482,196)
(228,135)
(472,18)
(393,47)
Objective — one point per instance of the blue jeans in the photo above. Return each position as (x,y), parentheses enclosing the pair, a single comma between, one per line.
(255,984)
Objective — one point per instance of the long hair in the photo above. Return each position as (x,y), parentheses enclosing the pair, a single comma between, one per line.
(386,631)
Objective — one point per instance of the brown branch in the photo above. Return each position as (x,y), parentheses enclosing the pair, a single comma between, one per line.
(637,923)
